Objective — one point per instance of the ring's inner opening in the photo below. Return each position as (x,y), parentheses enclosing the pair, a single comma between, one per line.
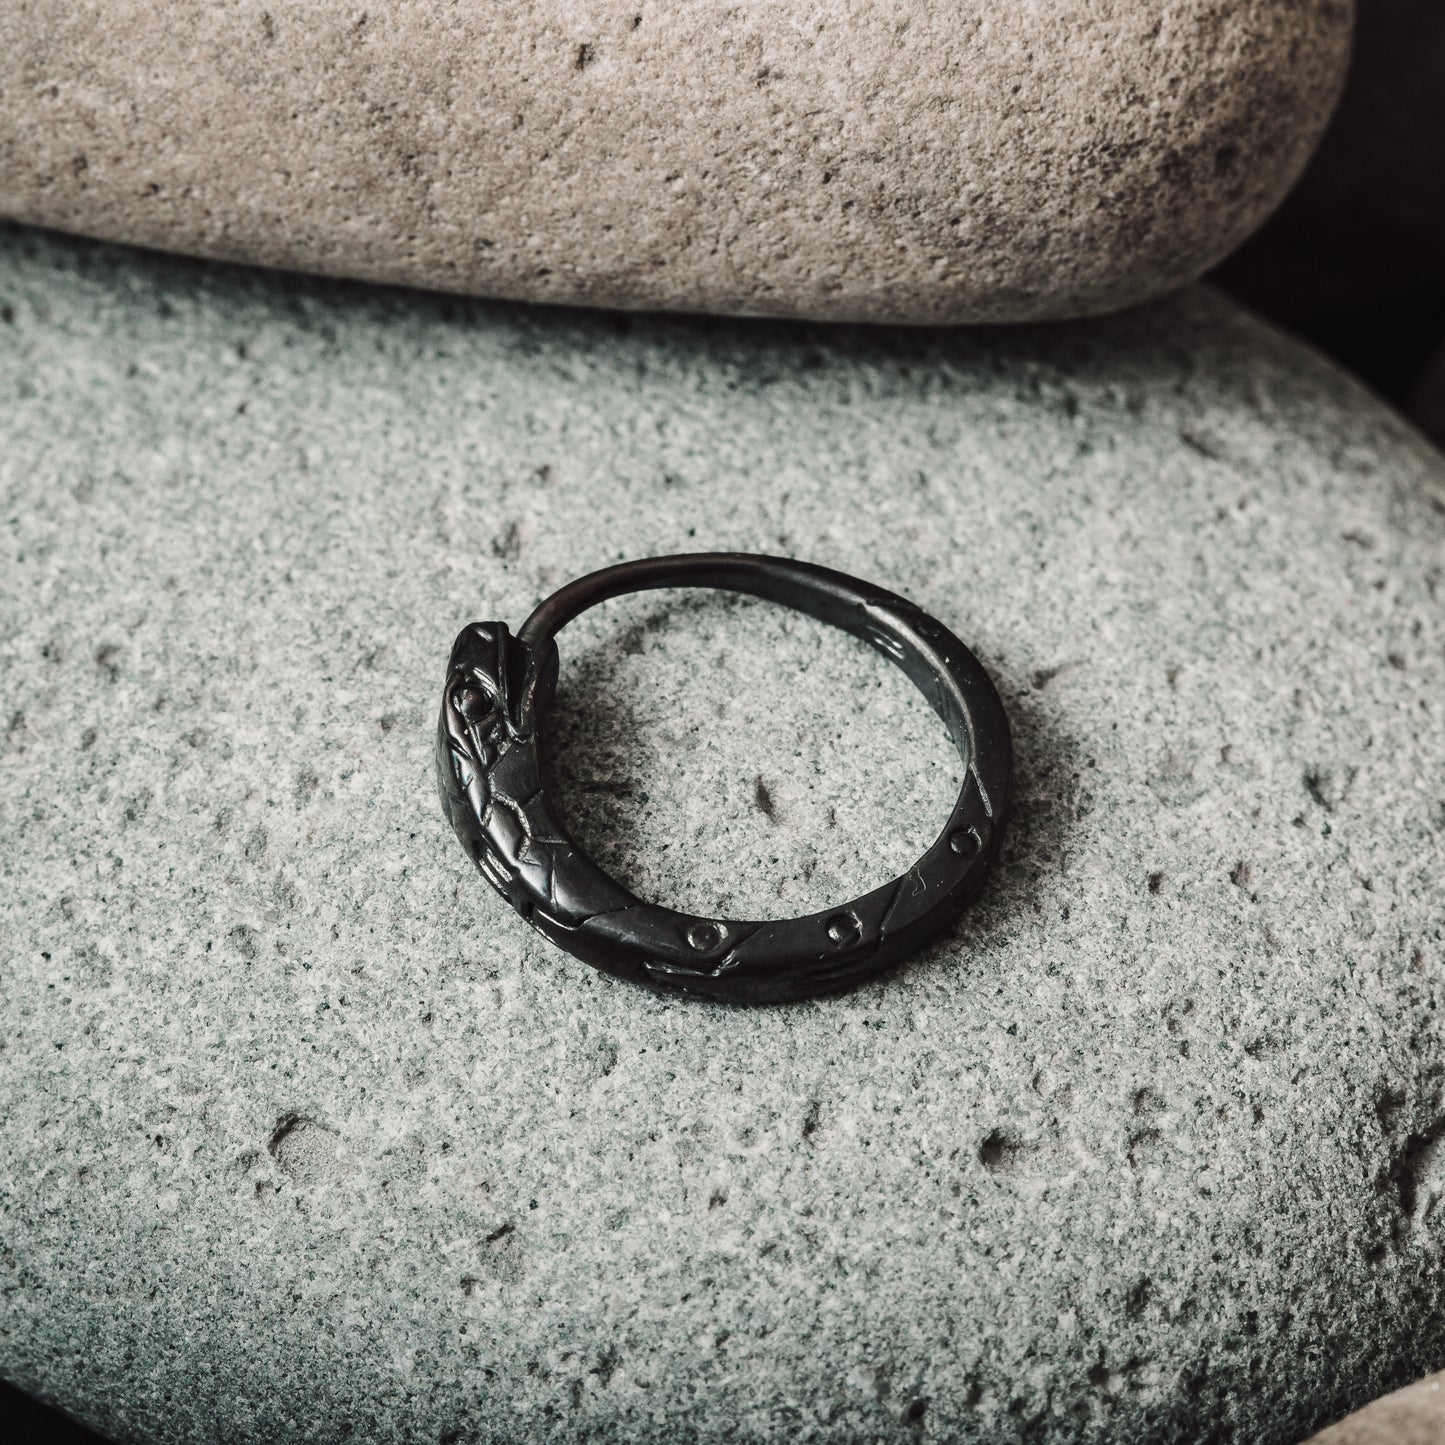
(732,758)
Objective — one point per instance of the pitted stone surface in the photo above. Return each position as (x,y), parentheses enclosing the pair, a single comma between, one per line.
(305,1135)
(903,161)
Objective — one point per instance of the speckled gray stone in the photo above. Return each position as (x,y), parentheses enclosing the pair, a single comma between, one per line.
(911,160)
(305,1135)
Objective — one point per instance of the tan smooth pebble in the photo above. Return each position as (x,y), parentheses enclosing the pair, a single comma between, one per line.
(884,161)
(1412,1416)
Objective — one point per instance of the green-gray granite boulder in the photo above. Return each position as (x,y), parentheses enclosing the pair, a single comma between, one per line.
(307,1136)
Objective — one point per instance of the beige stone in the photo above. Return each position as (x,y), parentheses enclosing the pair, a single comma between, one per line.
(842,159)
(1413,1416)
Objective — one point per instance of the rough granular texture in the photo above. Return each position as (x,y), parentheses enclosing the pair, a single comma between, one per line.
(307,1136)
(910,160)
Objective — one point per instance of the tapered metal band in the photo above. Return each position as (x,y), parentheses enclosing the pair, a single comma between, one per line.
(497,690)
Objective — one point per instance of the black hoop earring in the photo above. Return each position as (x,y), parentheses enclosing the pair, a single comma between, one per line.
(488,772)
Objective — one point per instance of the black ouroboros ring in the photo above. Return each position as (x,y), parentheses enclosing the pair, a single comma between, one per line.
(497,690)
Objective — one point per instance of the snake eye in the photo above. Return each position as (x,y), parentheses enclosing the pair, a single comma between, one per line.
(471,702)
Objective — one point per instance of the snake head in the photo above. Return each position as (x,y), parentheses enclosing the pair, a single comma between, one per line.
(493,685)
(474,725)
(475,711)
(486,754)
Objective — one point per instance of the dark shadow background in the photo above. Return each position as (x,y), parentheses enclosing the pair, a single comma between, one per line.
(23,1420)
(1354,260)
